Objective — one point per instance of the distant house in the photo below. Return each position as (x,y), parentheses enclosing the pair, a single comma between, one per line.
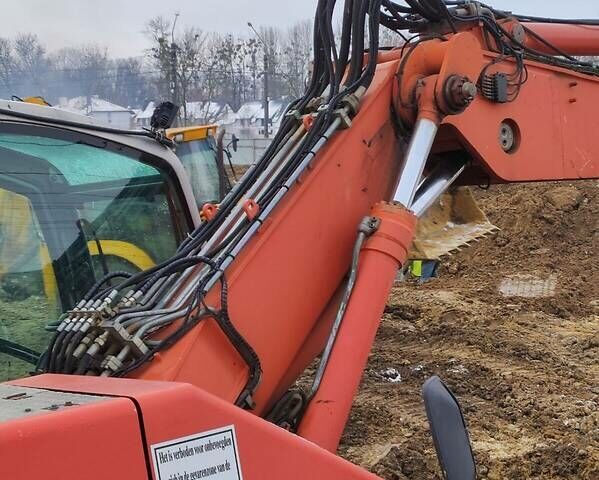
(102,110)
(142,119)
(208,112)
(246,122)
(198,113)
(250,121)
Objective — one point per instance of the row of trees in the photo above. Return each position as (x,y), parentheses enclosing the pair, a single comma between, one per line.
(228,68)
(184,65)
(27,69)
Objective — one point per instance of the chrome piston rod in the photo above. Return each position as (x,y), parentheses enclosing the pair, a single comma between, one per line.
(434,186)
(415,161)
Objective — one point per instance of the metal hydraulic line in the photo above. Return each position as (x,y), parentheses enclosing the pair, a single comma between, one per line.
(353,273)
(235,217)
(230,257)
(178,299)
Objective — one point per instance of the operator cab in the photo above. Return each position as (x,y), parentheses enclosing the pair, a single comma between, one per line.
(202,158)
(76,204)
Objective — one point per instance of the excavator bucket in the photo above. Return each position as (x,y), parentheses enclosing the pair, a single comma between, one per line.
(450,225)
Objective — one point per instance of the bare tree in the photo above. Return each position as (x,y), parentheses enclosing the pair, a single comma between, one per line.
(297,52)
(179,59)
(252,49)
(190,61)
(181,65)
(7,64)
(228,60)
(30,63)
(87,69)
(131,86)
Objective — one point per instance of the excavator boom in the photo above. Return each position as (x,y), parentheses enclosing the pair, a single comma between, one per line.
(299,260)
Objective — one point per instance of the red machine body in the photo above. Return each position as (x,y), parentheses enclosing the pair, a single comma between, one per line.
(113,437)
(285,285)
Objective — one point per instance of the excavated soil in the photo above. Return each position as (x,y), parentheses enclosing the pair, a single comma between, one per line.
(525,367)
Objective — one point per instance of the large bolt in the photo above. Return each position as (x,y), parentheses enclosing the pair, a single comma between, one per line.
(459,93)
(469,91)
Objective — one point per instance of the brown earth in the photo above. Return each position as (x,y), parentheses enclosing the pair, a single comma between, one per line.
(526,370)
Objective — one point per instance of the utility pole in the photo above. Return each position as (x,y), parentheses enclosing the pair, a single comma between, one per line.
(254,68)
(173,63)
(266,68)
(174,83)
(266,102)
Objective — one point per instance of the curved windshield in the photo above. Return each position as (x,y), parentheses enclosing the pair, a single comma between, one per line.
(72,209)
(199,160)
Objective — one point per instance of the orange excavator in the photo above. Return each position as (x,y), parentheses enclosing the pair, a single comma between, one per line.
(187,370)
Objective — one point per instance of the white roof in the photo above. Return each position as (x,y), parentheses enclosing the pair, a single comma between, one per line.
(228,118)
(208,112)
(203,109)
(147,112)
(255,111)
(250,110)
(80,105)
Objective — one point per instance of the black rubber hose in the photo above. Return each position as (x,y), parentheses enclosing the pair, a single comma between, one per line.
(400,8)
(174,267)
(54,348)
(92,291)
(357,57)
(345,41)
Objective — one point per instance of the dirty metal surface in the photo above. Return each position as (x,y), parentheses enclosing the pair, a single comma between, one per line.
(17,402)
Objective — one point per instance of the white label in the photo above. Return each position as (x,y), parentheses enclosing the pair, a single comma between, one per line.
(210,455)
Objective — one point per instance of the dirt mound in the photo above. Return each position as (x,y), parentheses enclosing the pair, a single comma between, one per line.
(524,366)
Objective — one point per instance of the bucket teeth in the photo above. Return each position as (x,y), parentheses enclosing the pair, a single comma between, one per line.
(450,226)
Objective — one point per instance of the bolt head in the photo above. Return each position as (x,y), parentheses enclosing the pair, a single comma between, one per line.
(469,90)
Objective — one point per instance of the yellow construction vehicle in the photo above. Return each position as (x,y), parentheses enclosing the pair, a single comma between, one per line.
(201,153)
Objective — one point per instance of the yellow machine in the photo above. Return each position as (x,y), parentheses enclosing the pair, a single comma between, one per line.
(200,152)
(193,133)
(200,149)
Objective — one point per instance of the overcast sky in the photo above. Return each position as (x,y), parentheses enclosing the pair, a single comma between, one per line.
(118,24)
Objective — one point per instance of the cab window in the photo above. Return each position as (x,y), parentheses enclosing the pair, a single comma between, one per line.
(72,209)
(199,160)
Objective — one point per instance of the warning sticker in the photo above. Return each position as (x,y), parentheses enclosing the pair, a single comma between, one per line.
(210,454)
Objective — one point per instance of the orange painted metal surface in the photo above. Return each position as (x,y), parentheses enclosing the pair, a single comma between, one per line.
(283,282)
(171,411)
(382,255)
(284,285)
(285,278)
(571,39)
(92,442)
(251,208)
(554,115)
(556,122)
(208,211)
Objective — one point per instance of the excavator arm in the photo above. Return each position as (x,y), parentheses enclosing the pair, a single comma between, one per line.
(301,256)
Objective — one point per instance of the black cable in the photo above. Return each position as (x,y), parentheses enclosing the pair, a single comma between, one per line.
(94,289)
(345,44)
